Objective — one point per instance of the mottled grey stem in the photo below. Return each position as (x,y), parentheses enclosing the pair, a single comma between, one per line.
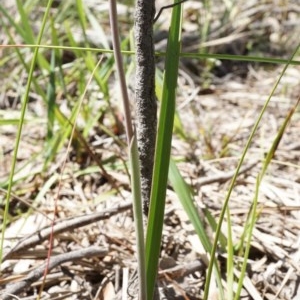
(145,94)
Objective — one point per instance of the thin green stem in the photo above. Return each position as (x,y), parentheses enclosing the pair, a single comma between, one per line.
(22,117)
(279,61)
(223,211)
(133,152)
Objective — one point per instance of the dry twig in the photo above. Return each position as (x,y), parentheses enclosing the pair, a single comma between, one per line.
(37,273)
(63,226)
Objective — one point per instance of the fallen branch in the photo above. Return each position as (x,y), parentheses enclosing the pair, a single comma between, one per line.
(181,271)
(63,226)
(225,177)
(36,274)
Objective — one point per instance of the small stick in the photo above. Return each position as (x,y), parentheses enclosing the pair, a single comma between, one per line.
(225,177)
(167,6)
(34,275)
(63,226)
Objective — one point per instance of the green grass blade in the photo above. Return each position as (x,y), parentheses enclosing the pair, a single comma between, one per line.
(103,37)
(51,88)
(200,56)
(278,137)
(233,57)
(13,24)
(82,18)
(51,98)
(19,51)
(213,225)
(230,257)
(252,220)
(138,213)
(19,132)
(214,249)
(5,122)
(28,33)
(253,214)
(163,150)
(184,194)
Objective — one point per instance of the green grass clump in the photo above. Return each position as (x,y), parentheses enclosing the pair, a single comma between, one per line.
(74,84)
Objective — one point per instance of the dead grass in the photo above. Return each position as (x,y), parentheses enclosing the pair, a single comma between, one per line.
(217,114)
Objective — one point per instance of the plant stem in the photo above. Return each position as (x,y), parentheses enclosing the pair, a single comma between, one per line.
(145,94)
(134,160)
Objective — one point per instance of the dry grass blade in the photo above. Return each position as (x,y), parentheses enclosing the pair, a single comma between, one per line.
(224,78)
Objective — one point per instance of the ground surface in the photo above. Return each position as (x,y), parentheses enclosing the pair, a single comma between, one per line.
(94,256)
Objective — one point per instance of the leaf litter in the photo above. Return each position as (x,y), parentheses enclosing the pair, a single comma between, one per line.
(217,108)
